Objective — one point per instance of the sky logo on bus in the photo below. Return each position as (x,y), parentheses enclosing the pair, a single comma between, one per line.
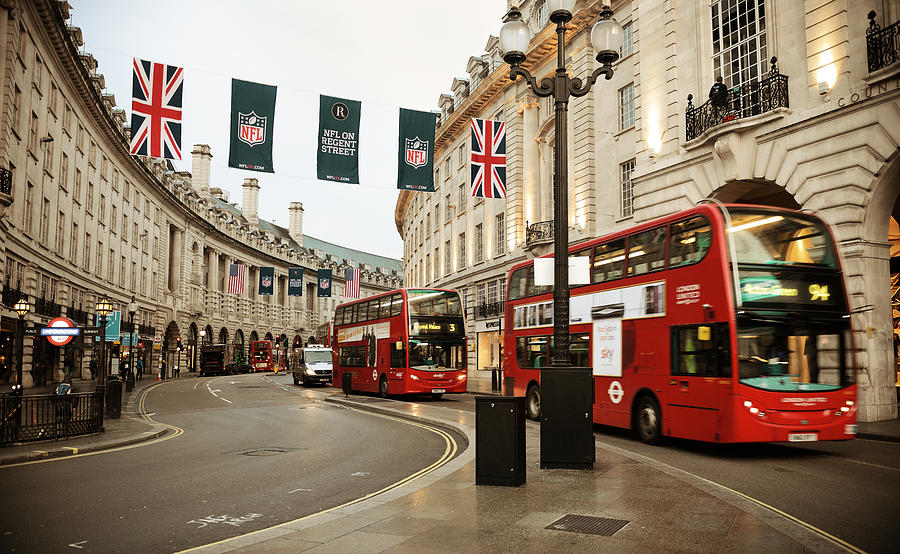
(606,354)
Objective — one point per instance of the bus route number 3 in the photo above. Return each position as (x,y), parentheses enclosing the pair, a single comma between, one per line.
(616,392)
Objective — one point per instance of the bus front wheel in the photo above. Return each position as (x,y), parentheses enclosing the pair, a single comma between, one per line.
(649,421)
(383,387)
(533,403)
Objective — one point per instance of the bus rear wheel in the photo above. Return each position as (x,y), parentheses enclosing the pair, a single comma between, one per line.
(533,403)
(649,421)
(383,387)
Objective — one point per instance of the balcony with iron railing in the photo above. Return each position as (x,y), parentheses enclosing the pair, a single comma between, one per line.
(490,310)
(741,102)
(48,308)
(11,295)
(538,233)
(882,45)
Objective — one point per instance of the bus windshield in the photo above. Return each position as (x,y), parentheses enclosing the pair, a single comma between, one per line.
(433,302)
(260,352)
(762,237)
(434,355)
(789,357)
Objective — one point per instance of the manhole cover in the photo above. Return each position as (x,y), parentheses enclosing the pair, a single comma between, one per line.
(263,452)
(589,525)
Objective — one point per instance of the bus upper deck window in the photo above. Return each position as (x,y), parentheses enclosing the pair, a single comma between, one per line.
(609,261)
(690,241)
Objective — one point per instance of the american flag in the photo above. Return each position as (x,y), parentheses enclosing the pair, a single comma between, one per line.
(488,160)
(236,274)
(351,288)
(156,92)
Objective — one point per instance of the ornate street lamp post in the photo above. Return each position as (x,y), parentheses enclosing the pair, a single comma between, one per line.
(102,309)
(129,377)
(606,38)
(22,307)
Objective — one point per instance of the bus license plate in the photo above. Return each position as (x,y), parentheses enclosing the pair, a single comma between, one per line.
(803,437)
(435,391)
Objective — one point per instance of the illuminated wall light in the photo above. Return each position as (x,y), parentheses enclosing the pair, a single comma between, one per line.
(826,75)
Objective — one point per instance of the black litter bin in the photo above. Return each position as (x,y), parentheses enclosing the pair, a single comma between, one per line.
(347,382)
(114,398)
(500,440)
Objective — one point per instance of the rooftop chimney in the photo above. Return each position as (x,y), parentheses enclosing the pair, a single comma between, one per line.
(295,222)
(251,202)
(200,169)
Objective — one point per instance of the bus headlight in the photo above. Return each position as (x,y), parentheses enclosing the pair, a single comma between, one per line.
(461,377)
(414,377)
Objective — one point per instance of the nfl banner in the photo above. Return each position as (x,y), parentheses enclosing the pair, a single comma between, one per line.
(338,152)
(415,166)
(267,280)
(324,283)
(488,159)
(295,281)
(156,95)
(252,121)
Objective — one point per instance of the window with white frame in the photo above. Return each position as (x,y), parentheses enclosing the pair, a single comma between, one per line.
(625,171)
(461,258)
(739,40)
(480,299)
(500,234)
(448,253)
(492,292)
(502,282)
(627,39)
(448,212)
(479,243)
(462,199)
(626,107)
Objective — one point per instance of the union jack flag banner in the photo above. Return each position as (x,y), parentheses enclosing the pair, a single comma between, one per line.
(156,109)
(488,159)
(351,283)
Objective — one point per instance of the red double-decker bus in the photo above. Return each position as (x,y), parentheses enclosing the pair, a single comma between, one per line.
(407,341)
(718,323)
(261,355)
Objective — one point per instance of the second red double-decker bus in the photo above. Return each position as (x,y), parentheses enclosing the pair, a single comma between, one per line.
(407,341)
(261,355)
(718,323)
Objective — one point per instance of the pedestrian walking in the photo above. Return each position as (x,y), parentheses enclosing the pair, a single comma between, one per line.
(140,368)
(162,369)
(93,367)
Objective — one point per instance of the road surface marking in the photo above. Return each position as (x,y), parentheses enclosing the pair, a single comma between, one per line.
(72,448)
(77,544)
(298,490)
(450,450)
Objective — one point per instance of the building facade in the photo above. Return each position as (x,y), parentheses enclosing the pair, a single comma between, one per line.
(809,123)
(80,219)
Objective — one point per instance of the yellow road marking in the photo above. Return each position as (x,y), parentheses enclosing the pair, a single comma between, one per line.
(449,452)
(72,448)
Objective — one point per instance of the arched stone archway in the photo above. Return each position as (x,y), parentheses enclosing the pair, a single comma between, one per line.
(223,336)
(208,337)
(268,336)
(168,353)
(254,336)
(240,349)
(764,193)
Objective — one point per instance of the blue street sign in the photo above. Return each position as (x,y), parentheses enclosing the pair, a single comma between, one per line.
(129,339)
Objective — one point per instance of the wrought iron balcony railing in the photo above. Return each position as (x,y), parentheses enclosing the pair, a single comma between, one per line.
(882,45)
(147,330)
(11,295)
(756,98)
(47,308)
(77,315)
(494,309)
(5,181)
(539,232)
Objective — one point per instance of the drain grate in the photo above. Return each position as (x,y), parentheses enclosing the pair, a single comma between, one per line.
(588,524)
(263,452)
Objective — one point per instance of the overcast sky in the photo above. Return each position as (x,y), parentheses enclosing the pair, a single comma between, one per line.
(398,53)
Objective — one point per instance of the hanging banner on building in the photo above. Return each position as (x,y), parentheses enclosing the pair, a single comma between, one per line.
(295,281)
(252,122)
(488,159)
(415,166)
(156,95)
(338,152)
(323,282)
(267,280)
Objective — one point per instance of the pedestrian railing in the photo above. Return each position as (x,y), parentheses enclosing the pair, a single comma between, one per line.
(48,416)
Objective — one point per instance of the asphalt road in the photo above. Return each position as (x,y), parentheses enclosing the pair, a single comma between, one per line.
(848,489)
(253,454)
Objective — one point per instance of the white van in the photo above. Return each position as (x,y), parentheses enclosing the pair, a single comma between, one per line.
(311,364)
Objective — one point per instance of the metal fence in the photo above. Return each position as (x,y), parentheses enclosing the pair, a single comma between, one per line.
(542,231)
(48,416)
(743,101)
(882,45)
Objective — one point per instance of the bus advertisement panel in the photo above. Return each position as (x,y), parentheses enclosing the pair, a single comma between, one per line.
(261,355)
(717,323)
(408,341)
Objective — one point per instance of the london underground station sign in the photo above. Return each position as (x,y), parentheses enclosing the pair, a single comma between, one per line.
(60,331)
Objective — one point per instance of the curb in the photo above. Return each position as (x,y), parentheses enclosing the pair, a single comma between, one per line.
(384,410)
(878,437)
(62,452)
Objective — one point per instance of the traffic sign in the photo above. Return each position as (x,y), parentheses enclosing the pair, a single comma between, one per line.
(60,331)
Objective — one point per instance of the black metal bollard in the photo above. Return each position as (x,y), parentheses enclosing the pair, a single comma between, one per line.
(346,383)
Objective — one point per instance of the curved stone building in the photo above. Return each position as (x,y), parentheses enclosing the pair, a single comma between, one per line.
(812,122)
(80,218)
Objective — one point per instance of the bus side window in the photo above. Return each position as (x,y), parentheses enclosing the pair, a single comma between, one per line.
(701,350)
(647,251)
(690,241)
(518,283)
(398,355)
(396,305)
(609,261)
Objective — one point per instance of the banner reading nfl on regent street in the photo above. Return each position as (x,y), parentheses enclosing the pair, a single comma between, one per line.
(252,122)
(338,151)
(267,280)
(415,166)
